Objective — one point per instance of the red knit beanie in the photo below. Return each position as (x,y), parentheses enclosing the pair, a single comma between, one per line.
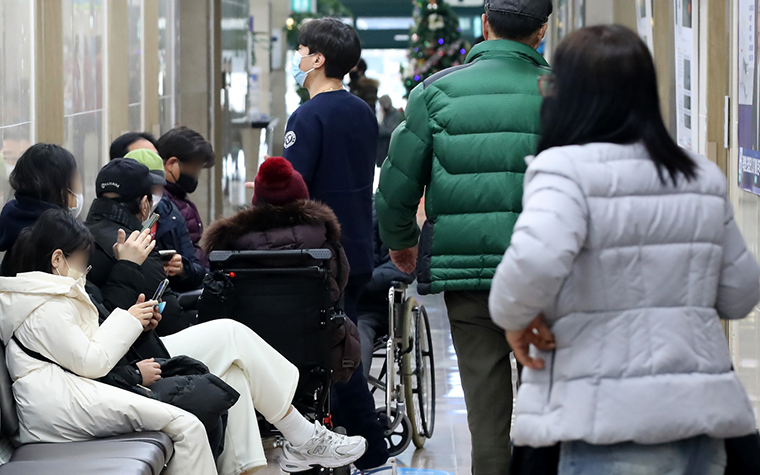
(277,183)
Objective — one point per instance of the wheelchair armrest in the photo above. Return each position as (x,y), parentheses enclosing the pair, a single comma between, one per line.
(189,300)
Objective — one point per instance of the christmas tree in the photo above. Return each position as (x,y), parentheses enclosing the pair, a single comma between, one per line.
(436,42)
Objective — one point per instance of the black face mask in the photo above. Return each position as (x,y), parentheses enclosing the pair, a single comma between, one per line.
(187,182)
(354,75)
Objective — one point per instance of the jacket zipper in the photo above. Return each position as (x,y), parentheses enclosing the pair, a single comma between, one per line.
(551,376)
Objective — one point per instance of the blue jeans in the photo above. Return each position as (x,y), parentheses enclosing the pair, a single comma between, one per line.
(697,456)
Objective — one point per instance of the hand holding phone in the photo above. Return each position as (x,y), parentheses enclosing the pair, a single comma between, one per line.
(166,255)
(152,219)
(174,266)
(135,248)
(160,293)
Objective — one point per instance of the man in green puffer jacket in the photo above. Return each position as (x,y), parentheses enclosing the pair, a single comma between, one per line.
(467,133)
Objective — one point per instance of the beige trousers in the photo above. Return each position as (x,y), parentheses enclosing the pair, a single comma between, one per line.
(265,380)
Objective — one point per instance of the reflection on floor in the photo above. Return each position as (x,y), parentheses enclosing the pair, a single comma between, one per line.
(449,449)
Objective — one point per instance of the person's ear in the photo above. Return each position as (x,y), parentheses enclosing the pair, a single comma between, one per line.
(319,61)
(145,207)
(486,27)
(540,36)
(171,167)
(57,261)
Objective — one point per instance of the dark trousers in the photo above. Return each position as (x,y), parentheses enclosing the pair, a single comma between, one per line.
(486,372)
(353,406)
(371,325)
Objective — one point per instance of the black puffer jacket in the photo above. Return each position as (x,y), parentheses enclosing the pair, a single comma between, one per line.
(185,382)
(105,219)
(303,224)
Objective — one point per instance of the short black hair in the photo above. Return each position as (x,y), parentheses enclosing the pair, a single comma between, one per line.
(339,44)
(511,26)
(361,65)
(133,206)
(54,229)
(187,145)
(120,146)
(44,172)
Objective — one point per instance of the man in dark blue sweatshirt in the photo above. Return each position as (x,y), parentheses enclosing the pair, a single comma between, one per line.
(332,141)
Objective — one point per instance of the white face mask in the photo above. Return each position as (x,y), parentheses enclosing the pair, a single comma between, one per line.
(156,199)
(77,210)
(295,68)
(75,274)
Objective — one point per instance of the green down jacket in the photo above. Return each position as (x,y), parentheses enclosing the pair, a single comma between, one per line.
(464,143)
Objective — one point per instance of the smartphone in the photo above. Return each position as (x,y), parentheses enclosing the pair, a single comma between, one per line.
(167,254)
(160,290)
(150,221)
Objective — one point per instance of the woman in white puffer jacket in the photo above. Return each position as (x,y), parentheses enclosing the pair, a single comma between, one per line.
(622,263)
(49,312)
(55,349)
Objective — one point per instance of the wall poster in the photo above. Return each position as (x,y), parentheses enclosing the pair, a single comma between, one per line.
(686,73)
(749,94)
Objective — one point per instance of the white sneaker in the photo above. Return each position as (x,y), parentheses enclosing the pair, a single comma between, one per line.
(388,469)
(325,449)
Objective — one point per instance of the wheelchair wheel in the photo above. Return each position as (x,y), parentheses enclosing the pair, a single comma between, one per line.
(425,374)
(418,373)
(398,432)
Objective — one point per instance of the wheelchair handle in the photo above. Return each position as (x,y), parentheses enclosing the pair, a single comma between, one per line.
(316,254)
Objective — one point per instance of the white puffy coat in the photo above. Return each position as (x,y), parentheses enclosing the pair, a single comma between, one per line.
(53,316)
(632,277)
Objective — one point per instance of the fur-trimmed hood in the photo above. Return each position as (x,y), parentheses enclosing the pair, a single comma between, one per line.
(226,233)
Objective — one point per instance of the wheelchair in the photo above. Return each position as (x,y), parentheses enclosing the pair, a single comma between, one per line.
(284,296)
(407,376)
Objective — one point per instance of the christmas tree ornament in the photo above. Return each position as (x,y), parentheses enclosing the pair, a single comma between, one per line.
(435,42)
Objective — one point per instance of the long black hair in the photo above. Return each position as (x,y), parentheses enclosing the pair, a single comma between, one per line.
(45,172)
(54,229)
(604,89)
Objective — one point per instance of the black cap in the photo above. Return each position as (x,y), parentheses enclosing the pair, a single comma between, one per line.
(538,9)
(128,178)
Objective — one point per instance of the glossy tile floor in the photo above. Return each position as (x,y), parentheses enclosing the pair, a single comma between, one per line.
(449,448)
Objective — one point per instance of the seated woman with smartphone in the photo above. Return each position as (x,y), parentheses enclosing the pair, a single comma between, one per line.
(55,349)
(265,380)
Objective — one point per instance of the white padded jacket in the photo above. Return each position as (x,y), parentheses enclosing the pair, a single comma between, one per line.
(632,277)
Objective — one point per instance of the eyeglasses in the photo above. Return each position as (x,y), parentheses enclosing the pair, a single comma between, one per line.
(545,85)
